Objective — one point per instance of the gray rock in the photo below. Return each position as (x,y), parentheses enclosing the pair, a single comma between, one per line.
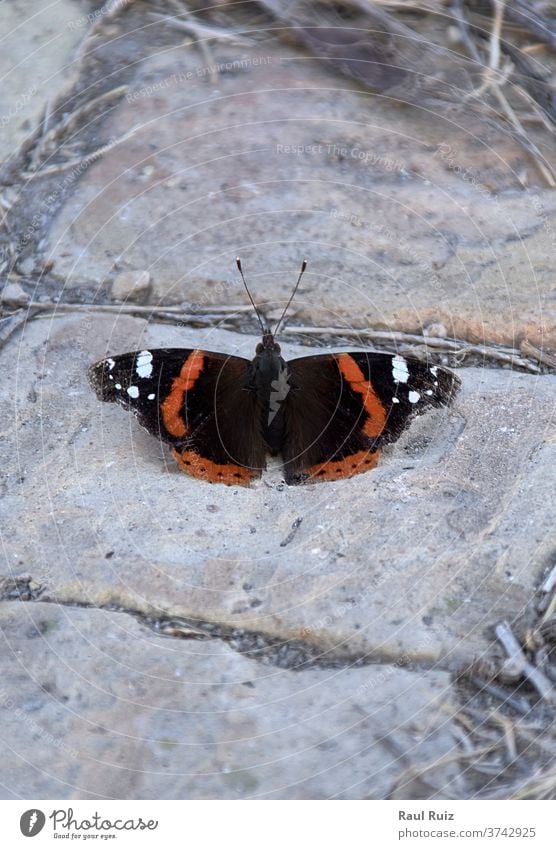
(99,706)
(26,266)
(131,286)
(315,655)
(418,558)
(26,68)
(13,293)
(402,226)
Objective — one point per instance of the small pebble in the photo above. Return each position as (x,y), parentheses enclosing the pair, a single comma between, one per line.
(131,286)
(13,293)
(435,330)
(27,265)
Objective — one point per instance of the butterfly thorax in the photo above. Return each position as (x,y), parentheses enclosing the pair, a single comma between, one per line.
(267,368)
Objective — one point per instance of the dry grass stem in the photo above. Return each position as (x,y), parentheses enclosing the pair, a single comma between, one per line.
(518,660)
(421,345)
(80,162)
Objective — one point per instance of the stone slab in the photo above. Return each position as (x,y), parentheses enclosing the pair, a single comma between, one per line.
(36,63)
(100,707)
(407,218)
(419,558)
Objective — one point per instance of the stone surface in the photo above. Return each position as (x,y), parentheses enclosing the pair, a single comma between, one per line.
(131,286)
(13,293)
(403,225)
(101,707)
(416,558)
(327,672)
(36,63)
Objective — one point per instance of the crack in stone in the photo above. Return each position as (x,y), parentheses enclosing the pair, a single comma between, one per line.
(284,653)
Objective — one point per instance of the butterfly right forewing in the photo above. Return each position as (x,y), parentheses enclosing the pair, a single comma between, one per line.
(342,408)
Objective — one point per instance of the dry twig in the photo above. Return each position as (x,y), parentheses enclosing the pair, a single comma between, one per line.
(107,12)
(494,79)
(427,344)
(81,162)
(518,661)
(72,123)
(199,30)
(537,354)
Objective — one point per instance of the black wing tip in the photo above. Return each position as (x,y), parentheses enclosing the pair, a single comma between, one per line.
(99,381)
(449,386)
(94,372)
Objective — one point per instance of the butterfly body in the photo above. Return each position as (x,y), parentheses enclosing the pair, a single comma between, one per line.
(327,415)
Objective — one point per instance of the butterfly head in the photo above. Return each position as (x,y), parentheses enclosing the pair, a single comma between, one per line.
(268,343)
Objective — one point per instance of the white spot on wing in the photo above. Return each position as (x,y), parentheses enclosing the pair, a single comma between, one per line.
(429,392)
(144,364)
(395,400)
(151,397)
(110,363)
(434,370)
(133,392)
(400,372)
(413,397)
(118,385)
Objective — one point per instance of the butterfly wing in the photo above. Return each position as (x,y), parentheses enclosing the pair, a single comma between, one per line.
(342,408)
(199,402)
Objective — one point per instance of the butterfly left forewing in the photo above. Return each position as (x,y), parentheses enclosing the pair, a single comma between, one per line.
(140,381)
(197,401)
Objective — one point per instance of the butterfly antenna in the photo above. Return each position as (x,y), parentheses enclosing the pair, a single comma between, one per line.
(257,313)
(295,288)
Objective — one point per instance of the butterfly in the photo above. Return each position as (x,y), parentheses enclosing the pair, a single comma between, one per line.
(327,415)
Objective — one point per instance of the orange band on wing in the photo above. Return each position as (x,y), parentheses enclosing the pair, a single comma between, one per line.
(228,473)
(362,461)
(376,413)
(172,406)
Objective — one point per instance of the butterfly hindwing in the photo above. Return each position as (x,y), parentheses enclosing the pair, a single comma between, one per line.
(199,402)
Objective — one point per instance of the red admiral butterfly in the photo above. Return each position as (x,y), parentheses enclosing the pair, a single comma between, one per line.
(327,415)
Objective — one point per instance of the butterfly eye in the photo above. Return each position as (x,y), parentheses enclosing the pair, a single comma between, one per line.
(259,348)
